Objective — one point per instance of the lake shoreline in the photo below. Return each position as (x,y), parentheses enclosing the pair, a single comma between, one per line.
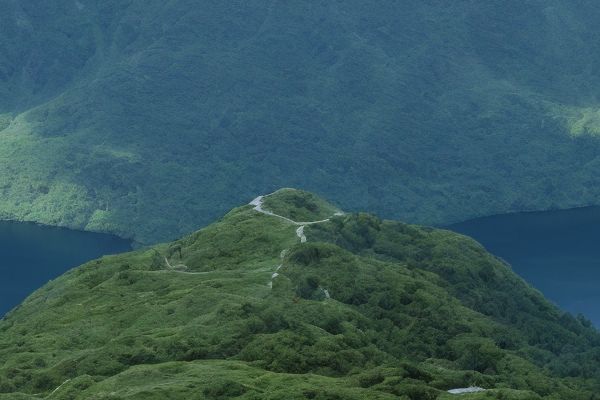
(555,251)
(34,253)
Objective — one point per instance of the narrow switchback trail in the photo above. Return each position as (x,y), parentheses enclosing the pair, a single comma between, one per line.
(175,268)
(258,206)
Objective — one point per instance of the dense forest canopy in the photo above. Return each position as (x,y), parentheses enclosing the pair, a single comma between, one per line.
(151,118)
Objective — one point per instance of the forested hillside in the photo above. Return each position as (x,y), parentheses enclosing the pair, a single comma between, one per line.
(150,118)
(253,307)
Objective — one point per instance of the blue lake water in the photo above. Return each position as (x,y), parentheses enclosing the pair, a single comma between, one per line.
(31,255)
(558,252)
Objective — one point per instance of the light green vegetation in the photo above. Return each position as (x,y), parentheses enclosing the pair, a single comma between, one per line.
(412,313)
(585,122)
(151,118)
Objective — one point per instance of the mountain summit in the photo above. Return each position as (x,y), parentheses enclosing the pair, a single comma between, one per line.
(289,298)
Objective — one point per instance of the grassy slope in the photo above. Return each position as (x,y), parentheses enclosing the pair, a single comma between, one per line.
(413,312)
(149,119)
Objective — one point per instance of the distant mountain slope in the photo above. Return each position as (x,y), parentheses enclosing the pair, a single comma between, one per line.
(243,309)
(150,118)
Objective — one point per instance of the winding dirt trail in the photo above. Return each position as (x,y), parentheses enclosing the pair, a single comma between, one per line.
(472,389)
(258,206)
(180,269)
(176,268)
(56,390)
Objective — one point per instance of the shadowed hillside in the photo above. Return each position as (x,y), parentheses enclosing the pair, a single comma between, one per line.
(149,119)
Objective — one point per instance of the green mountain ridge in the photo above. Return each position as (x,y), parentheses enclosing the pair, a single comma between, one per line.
(149,119)
(245,308)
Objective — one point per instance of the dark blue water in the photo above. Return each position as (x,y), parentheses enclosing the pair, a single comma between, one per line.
(31,255)
(558,252)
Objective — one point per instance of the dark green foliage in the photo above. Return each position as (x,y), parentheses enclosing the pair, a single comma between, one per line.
(479,281)
(151,118)
(224,390)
